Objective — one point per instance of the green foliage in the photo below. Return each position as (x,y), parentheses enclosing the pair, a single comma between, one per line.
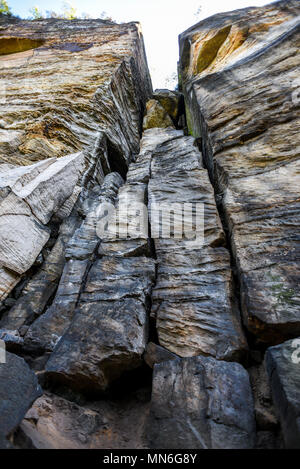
(4,8)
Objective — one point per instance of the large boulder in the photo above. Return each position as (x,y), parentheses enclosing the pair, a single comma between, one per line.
(27,204)
(201,403)
(156,116)
(241,90)
(171,101)
(283,366)
(92,77)
(108,333)
(18,390)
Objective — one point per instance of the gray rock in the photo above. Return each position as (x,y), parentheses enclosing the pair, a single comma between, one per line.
(18,390)
(156,116)
(201,403)
(108,333)
(42,286)
(264,410)
(283,366)
(46,331)
(156,354)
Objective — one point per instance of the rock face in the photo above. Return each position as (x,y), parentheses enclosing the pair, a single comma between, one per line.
(18,390)
(201,403)
(27,205)
(156,116)
(283,368)
(239,78)
(109,329)
(172,102)
(57,423)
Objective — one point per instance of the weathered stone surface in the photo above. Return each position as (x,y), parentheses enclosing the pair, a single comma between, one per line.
(265,417)
(42,286)
(283,368)
(170,101)
(156,116)
(240,79)
(27,203)
(85,240)
(192,299)
(46,331)
(101,83)
(201,403)
(156,354)
(127,229)
(56,423)
(108,333)
(18,390)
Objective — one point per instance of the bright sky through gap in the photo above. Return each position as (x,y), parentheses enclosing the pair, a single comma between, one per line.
(162,21)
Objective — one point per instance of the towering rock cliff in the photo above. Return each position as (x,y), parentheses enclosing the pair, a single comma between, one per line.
(240,77)
(175,323)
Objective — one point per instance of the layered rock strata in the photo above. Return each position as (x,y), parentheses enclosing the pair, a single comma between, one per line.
(201,403)
(240,80)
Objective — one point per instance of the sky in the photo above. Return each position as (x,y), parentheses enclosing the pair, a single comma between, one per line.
(162,21)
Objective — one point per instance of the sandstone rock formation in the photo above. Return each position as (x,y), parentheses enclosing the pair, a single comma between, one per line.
(201,403)
(282,364)
(18,390)
(240,80)
(156,116)
(101,84)
(150,281)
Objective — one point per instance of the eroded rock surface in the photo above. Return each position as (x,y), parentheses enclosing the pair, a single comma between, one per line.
(240,80)
(97,308)
(18,390)
(283,368)
(201,403)
(101,83)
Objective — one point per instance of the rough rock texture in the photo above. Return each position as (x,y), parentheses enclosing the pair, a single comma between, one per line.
(240,79)
(18,390)
(101,84)
(108,333)
(57,423)
(156,354)
(192,299)
(282,364)
(264,410)
(48,329)
(156,116)
(201,403)
(27,205)
(124,259)
(172,102)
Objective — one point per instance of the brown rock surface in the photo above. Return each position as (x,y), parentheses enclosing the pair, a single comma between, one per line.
(239,76)
(91,63)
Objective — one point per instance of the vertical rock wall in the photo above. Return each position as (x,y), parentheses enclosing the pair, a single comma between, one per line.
(240,76)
